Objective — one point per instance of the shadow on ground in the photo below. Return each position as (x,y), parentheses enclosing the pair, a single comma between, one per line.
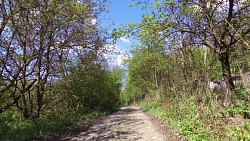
(109,128)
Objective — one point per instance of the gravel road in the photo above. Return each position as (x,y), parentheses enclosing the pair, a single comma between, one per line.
(127,124)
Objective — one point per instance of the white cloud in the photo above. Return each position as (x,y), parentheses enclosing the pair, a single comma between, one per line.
(121,57)
(119,60)
(114,54)
(125,40)
(93,21)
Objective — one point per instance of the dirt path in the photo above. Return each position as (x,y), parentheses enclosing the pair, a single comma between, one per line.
(127,124)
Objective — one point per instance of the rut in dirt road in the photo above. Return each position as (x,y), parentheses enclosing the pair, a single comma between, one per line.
(127,124)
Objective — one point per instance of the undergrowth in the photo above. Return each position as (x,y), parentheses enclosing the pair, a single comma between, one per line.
(47,127)
(202,120)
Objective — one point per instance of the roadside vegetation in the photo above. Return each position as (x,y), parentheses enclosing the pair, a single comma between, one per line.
(186,48)
(53,73)
(189,66)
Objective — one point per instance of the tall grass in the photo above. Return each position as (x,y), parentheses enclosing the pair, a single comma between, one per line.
(201,119)
(45,128)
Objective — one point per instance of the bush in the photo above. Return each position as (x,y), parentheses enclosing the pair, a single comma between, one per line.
(88,88)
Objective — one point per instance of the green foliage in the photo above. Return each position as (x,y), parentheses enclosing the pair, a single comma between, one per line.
(239,134)
(241,105)
(155,108)
(240,108)
(60,75)
(178,56)
(45,128)
(186,118)
(141,81)
(92,87)
(198,121)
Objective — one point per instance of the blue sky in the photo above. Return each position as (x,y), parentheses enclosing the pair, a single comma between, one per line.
(120,14)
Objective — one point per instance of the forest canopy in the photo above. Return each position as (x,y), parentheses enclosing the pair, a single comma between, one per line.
(52,64)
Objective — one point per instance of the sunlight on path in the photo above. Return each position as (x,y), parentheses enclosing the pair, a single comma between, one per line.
(128,124)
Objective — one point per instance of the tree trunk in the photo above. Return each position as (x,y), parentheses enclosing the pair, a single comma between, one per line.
(226,70)
(24,108)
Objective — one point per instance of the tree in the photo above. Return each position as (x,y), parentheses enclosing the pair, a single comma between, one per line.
(37,38)
(219,25)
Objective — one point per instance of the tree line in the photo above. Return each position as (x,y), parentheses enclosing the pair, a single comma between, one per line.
(183,47)
(51,60)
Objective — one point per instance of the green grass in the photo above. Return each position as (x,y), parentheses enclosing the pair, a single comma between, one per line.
(200,121)
(47,126)
(189,123)
(239,134)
